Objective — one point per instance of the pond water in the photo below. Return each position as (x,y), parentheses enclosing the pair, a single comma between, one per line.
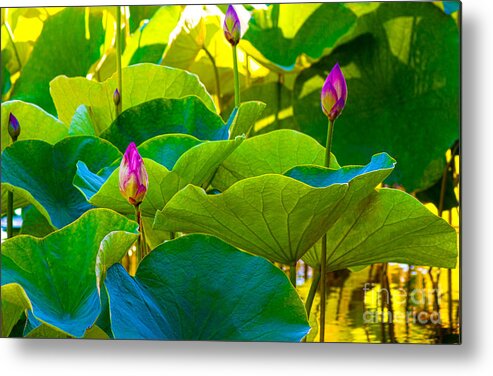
(397,305)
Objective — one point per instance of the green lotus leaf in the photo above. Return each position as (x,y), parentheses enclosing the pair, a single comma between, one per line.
(243,118)
(42,174)
(176,295)
(179,160)
(275,152)
(388,226)
(62,48)
(14,303)
(141,83)
(82,123)
(274,216)
(45,331)
(76,256)
(403,92)
(165,116)
(35,223)
(36,124)
(284,32)
(151,37)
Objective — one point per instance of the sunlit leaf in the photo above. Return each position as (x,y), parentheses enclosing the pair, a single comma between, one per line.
(141,83)
(275,152)
(62,48)
(388,226)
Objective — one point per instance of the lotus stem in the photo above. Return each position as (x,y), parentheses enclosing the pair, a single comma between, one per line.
(216,75)
(236,77)
(119,57)
(12,40)
(312,292)
(142,245)
(323,256)
(10,214)
(292,274)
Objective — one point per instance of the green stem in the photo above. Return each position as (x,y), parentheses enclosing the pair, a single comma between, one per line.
(312,292)
(142,245)
(292,274)
(119,57)
(11,37)
(10,214)
(216,74)
(323,256)
(237,79)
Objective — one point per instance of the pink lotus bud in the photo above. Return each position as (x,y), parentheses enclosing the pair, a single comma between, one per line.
(231,26)
(133,176)
(334,93)
(14,128)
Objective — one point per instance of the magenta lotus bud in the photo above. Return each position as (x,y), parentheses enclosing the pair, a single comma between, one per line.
(133,176)
(334,93)
(116,97)
(14,128)
(231,26)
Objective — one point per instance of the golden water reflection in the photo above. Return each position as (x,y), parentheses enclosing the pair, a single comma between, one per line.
(418,309)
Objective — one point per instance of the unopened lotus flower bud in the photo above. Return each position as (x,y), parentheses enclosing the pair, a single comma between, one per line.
(14,127)
(133,176)
(334,93)
(116,97)
(231,26)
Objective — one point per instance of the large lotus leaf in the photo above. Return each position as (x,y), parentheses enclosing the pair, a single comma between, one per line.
(60,273)
(36,124)
(274,216)
(62,48)
(164,116)
(152,36)
(42,174)
(272,153)
(403,92)
(141,83)
(283,32)
(388,226)
(198,287)
(178,160)
(14,303)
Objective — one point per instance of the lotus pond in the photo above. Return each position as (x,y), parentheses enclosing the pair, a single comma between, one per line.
(282,172)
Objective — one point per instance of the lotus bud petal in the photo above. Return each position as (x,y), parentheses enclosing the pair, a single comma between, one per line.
(116,97)
(14,128)
(334,93)
(231,26)
(133,176)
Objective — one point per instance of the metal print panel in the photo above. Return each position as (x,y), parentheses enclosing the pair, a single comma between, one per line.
(246,172)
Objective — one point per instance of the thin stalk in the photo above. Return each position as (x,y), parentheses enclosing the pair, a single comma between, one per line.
(10,214)
(312,292)
(216,75)
(292,274)
(141,243)
(119,57)
(237,79)
(11,37)
(323,256)
(280,80)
